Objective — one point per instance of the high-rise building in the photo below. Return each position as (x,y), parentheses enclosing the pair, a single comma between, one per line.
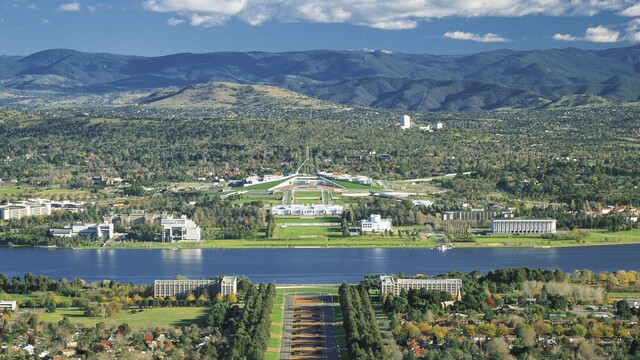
(405,122)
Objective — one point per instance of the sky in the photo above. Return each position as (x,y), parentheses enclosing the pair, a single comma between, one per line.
(161,27)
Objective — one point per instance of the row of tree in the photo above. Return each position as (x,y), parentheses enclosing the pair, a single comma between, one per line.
(253,329)
(364,341)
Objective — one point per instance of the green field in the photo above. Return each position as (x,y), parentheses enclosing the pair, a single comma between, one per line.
(353,186)
(306,220)
(149,318)
(624,295)
(595,238)
(263,186)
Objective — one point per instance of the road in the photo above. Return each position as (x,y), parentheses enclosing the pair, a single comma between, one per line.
(287,324)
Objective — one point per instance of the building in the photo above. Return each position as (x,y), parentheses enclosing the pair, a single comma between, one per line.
(181,229)
(523,226)
(391,285)
(8,305)
(375,224)
(180,289)
(307,210)
(476,215)
(135,217)
(79,229)
(229,285)
(21,209)
(405,122)
(439,126)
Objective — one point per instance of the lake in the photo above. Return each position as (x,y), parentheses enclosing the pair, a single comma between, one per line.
(301,266)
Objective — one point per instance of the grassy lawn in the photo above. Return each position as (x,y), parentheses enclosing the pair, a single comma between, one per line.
(306,220)
(595,238)
(624,295)
(307,232)
(149,318)
(264,186)
(353,186)
(328,289)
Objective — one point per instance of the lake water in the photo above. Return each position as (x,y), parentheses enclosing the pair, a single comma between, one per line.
(301,266)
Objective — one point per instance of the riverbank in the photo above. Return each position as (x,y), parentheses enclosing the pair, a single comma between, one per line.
(515,241)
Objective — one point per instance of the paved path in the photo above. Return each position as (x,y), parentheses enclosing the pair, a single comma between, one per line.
(287,324)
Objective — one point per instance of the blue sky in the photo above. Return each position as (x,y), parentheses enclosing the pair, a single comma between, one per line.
(158,27)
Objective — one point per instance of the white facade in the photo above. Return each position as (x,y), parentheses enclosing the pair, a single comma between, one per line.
(8,305)
(405,122)
(182,288)
(229,285)
(389,285)
(375,224)
(80,229)
(182,229)
(307,210)
(523,226)
(24,208)
(439,126)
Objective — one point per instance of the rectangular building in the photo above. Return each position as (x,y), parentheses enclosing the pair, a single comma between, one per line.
(182,229)
(375,224)
(523,226)
(80,229)
(8,305)
(391,285)
(307,210)
(478,216)
(180,289)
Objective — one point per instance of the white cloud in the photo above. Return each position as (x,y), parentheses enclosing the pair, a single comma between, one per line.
(382,14)
(633,25)
(598,34)
(46,21)
(32,7)
(633,37)
(75,6)
(461,35)
(631,11)
(175,22)
(601,34)
(565,37)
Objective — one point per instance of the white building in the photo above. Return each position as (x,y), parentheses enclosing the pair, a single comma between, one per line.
(8,305)
(307,210)
(182,288)
(405,122)
(439,126)
(375,224)
(80,229)
(182,229)
(523,226)
(390,285)
(229,285)
(21,209)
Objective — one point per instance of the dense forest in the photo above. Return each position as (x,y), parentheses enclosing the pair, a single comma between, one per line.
(556,155)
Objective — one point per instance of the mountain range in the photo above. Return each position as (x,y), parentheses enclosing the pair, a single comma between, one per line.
(415,82)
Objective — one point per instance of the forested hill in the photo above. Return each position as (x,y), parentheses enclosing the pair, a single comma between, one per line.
(416,82)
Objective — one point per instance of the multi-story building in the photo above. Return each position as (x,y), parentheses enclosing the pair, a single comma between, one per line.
(181,229)
(523,226)
(307,210)
(80,229)
(375,224)
(391,285)
(405,122)
(135,217)
(24,208)
(180,289)
(477,215)
(229,285)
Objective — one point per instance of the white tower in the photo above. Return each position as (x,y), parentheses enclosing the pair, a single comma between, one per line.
(405,123)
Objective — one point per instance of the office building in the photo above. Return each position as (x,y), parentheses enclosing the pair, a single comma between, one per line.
(375,224)
(80,229)
(523,226)
(391,285)
(180,289)
(181,229)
